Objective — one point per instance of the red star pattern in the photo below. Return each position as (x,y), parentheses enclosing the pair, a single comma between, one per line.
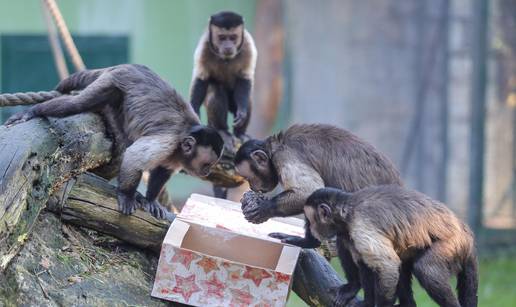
(241,297)
(273,286)
(256,275)
(280,277)
(208,264)
(214,287)
(234,275)
(186,286)
(184,257)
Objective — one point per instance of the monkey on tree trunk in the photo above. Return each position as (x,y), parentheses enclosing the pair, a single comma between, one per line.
(390,229)
(223,76)
(151,124)
(303,159)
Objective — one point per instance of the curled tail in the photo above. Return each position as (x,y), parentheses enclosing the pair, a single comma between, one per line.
(467,282)
(78,80)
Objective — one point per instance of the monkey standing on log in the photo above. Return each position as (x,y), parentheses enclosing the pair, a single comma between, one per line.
(153,127)
(303,159)
(391,229)
(223,75)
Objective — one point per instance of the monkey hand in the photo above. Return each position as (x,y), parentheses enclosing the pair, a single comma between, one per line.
(126,204)
(251,198)
(259,211)
(240,119)
(19,118)
(157,210)
(344,294)
(295,240)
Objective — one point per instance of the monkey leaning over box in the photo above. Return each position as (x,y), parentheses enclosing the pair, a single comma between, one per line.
(152,126)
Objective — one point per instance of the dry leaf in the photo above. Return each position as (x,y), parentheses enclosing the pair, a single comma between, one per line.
(74,279)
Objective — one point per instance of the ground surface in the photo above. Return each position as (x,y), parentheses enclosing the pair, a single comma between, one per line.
(497,284)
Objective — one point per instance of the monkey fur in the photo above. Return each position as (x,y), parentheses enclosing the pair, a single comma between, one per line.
(303,159)
(152,126)
(392,231)
(223,75)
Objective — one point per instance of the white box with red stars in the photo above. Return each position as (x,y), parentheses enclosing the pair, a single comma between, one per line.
(212,256)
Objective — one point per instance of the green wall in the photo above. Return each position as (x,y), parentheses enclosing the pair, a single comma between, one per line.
(162,35)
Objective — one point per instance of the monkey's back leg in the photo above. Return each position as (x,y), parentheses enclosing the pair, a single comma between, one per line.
(217,107)
(432,271)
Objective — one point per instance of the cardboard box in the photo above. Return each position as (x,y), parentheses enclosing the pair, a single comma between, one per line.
(212,256)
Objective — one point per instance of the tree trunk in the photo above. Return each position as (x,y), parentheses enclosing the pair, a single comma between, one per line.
(36,157)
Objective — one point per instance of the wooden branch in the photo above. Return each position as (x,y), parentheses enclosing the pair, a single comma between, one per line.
(90,201)
(36,157)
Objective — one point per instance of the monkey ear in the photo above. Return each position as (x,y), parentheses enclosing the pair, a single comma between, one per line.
(188,145)
(260,158)
(324,212)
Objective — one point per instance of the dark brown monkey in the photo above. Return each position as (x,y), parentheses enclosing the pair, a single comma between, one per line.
(303,159)
(224,64)
(388,227)
(156,129)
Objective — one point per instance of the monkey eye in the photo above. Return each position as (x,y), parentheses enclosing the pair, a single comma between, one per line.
(233,37)
(222,37)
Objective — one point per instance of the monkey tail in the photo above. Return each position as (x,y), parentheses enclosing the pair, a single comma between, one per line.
(78,80)
(467,282)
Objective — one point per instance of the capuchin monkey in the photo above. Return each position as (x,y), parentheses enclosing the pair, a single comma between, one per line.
(303,159)
(152,126)
(223,74)
(390,229)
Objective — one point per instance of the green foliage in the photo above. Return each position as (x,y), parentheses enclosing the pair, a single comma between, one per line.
(496,287)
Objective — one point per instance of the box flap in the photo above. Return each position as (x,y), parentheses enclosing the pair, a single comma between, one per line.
(221,213)
(176,233)
(288,259)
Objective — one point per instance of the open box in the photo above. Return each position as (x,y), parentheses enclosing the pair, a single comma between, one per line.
(209,264)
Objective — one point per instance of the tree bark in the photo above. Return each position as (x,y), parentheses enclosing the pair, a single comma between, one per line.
(90,201)
(36,157)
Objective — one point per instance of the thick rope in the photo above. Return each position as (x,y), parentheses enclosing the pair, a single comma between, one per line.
(18,99)
(65,35)
(53,39)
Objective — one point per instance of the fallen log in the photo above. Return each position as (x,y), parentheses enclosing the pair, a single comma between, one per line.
(90,201)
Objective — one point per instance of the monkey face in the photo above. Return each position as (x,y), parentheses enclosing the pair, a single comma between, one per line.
(321,221)
(197,159)
(226,42)
(258,171)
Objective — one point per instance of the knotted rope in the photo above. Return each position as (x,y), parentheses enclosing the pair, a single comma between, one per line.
(17,99)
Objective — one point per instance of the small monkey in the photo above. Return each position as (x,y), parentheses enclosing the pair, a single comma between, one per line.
(393,232)
(223,75)
(153,127)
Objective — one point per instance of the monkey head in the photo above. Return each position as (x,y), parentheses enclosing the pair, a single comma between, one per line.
(325,210)
(254,164)
(201,150)
(226,31)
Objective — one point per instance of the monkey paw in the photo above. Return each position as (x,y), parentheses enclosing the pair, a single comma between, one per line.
(19,118)
(157,210)
(250,199)
(259,211)
(344,294)
(295,240)
(126,204)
